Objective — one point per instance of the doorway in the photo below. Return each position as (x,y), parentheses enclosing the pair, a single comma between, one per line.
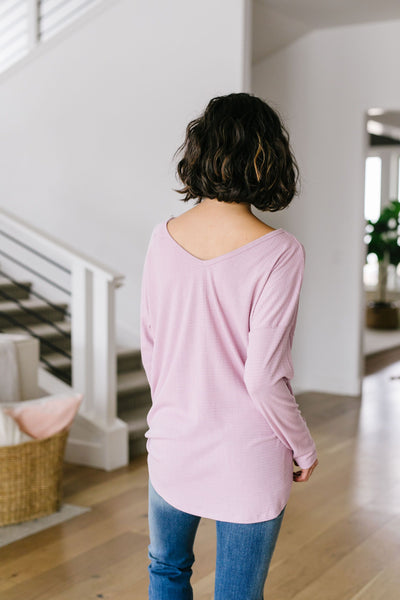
(381,271)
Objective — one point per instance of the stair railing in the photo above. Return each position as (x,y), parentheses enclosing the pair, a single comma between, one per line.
(92,310)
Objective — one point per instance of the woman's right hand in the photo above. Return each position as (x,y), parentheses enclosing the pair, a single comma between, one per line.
(303,474)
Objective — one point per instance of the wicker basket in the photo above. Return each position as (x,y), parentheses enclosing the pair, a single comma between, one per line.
(31,479)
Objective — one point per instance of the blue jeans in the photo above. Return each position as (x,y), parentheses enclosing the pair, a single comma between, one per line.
(244,552)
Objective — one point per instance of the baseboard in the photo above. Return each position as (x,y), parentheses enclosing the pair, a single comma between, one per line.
(90,445)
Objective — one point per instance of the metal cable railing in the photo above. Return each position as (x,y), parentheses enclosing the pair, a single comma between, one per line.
(33,251)
(35,335)
(55,370)
(60,373)
(30,311)
(28,289)
(43,277)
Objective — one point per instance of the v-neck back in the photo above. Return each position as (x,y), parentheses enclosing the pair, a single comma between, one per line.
(225,255)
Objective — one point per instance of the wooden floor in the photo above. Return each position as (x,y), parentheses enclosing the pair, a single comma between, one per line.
(340,537)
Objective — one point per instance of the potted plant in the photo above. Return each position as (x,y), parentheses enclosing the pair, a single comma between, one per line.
(383,239)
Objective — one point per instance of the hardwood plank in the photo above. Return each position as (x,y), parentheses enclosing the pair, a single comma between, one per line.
(83,537)
(110,511)
(126,578)
(321,552)
(351,573)
(83,566)
(384,586)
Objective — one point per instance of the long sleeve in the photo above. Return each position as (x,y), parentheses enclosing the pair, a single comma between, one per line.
(146,333)
(268,366)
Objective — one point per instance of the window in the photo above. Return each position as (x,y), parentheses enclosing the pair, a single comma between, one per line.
(372,198)
(13,31)
(26,23)
(382,184)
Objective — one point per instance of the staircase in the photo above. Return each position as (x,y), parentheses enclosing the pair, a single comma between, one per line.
(20,313)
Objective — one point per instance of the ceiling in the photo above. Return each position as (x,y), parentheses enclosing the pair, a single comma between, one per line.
(277,23)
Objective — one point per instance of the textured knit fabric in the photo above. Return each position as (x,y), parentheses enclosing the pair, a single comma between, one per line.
(216,338)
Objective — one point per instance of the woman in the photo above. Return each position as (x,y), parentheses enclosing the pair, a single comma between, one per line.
(220,294)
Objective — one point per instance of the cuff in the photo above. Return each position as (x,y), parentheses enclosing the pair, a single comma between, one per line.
(305,461)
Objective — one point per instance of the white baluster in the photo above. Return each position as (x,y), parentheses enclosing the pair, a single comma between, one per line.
(104,348)
(82,334)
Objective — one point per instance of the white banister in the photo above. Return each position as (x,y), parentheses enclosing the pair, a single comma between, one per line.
(62,250)
(100,439)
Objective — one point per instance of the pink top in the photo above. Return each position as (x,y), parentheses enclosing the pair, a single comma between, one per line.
(216,338)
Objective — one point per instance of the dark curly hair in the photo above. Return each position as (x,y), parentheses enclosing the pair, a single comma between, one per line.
(238,151)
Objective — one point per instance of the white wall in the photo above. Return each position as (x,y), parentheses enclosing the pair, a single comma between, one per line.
(323,84)
(88,126)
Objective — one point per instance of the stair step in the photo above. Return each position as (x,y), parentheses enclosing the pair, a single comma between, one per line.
(16,312)
(133,391)
(123,356)
(129,359)
(136,419)
(48,333)
(132,382)
(137,427)
(59,361)
(13,290)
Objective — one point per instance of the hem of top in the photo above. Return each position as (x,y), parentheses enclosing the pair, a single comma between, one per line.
(206,515)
